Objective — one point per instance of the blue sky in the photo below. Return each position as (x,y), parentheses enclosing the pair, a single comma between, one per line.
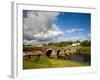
(74,25)
(41,26)
(74,20)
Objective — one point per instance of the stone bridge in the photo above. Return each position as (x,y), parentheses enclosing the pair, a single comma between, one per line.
(52,52)
(62,52)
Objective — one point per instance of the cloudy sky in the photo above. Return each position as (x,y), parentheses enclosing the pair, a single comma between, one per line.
(44,27)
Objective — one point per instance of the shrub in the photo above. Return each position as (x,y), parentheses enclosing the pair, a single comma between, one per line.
(85,50)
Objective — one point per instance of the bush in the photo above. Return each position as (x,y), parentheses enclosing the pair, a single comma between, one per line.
(85,50)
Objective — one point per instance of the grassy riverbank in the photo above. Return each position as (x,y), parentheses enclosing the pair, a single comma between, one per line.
(50,63)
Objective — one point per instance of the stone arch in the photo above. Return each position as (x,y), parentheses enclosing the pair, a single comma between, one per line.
(58,51)
(60,54)
(67,51)
(48,52)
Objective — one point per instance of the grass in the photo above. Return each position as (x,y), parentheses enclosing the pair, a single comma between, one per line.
(85,50)
(66,63)
(50,63)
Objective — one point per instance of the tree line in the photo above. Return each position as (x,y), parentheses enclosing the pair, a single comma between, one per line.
(84,43)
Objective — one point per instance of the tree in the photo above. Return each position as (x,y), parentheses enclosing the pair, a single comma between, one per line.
(86,43)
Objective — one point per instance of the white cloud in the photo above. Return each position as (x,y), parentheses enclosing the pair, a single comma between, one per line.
(40,26)
(48,35)
(81,37)
(72,38)
(74,30)
(29,42)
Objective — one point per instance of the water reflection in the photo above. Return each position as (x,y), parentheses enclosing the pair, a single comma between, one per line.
(84,58)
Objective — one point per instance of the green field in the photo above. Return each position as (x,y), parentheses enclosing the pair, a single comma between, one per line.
(50,63)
